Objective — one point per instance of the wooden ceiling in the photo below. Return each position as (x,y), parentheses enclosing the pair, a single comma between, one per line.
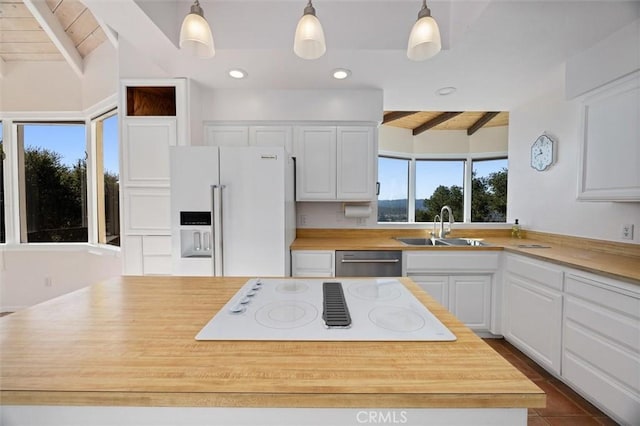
(23,38)
(421,121)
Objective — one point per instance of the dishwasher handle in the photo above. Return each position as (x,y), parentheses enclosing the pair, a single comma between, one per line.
(370,260)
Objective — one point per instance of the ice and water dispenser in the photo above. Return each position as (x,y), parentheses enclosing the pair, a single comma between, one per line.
(195,234)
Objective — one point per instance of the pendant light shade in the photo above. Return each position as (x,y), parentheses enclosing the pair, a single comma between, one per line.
(195,34)
(424,40)
(309,40)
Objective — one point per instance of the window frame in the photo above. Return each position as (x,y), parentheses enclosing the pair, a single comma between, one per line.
(467,158)
(13,219)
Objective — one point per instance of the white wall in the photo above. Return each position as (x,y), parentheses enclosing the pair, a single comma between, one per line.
(52,89)
(33,275)
(546,201)
(486,140)
(292,105)
(27,86)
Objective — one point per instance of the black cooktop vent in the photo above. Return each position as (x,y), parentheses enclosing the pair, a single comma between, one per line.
(336,312)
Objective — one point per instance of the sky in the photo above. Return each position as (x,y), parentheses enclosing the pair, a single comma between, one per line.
(393,175)
(69,141)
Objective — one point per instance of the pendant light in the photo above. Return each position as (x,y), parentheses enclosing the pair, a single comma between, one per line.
(309,40)
(195,34)
(424,40)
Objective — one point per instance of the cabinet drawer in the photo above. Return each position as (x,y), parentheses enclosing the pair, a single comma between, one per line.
(535,271)
(313,259)
(619,362)
(156,265)
(156,245)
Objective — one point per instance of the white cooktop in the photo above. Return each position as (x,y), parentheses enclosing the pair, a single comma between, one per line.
(381,309)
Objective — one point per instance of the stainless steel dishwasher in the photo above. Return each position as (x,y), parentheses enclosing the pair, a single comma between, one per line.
(368,263)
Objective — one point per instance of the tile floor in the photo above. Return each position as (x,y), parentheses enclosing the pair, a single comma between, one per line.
(564,406)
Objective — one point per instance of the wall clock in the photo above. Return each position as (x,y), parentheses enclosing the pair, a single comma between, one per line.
(542,153)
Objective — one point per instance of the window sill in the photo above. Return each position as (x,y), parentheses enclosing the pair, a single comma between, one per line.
(97,249)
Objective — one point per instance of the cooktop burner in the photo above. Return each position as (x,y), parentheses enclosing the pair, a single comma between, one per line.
(380,309)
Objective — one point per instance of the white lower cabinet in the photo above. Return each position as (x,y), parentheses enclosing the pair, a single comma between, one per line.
(582,327)
(468,297)
(533,309)
(601,343)
(462,282)
(312,263)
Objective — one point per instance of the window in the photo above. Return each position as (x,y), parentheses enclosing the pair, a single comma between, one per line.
(393,175)
(489,191)
(3,238)
(53,182)
(108,179)
(414,190)
(439,183)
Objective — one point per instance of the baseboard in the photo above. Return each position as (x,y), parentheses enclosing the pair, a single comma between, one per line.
(11,308)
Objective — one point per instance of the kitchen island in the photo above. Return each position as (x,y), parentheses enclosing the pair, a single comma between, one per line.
(129,343)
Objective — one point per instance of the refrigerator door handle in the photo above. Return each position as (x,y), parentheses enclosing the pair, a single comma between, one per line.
(218,263)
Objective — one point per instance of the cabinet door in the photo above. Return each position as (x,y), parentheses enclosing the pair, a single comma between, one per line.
(316,168)
(146,150)
(227,135)
(272,136)
(355,163)
(533,320)
(470,300)
(313,263)
(610,134)
(437,286)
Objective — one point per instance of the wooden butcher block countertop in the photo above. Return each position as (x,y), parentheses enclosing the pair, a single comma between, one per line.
(130,342)
(616,260)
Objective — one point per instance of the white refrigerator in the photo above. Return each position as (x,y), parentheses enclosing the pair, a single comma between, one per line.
(232,211)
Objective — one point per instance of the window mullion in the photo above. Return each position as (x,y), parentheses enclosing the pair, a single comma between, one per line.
(467,189)
(411,217)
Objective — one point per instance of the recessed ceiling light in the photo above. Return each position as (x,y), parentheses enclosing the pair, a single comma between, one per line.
(445,91)
(340,73)
(238,73)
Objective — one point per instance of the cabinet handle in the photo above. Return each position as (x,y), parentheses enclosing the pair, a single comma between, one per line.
(371,261)
(377,188)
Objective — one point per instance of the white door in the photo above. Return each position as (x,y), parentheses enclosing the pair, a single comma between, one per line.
(227,135)
(194,169)
(437,286)
(316,168)
(272,136)
(470,300)
(355,163)
(253,211)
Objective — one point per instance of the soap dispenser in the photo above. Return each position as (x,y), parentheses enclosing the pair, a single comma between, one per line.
(515,230)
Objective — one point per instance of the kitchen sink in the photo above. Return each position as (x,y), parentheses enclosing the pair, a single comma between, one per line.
(440,241)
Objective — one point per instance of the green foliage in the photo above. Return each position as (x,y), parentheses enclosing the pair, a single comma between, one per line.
(488,200)
(55,197)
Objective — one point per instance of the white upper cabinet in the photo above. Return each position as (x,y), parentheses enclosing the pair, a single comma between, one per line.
(316,163)
(227,135)
(272,136)
(355,166)
(610,144)
(335,163)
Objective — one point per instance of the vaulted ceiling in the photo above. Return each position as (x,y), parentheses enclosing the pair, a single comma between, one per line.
(51,30)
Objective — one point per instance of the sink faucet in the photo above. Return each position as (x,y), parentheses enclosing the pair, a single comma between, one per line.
(443,233)
(436,219)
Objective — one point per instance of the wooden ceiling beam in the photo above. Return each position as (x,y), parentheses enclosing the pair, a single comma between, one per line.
(445,116)
(488,116)
(396,115)
(56,33)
